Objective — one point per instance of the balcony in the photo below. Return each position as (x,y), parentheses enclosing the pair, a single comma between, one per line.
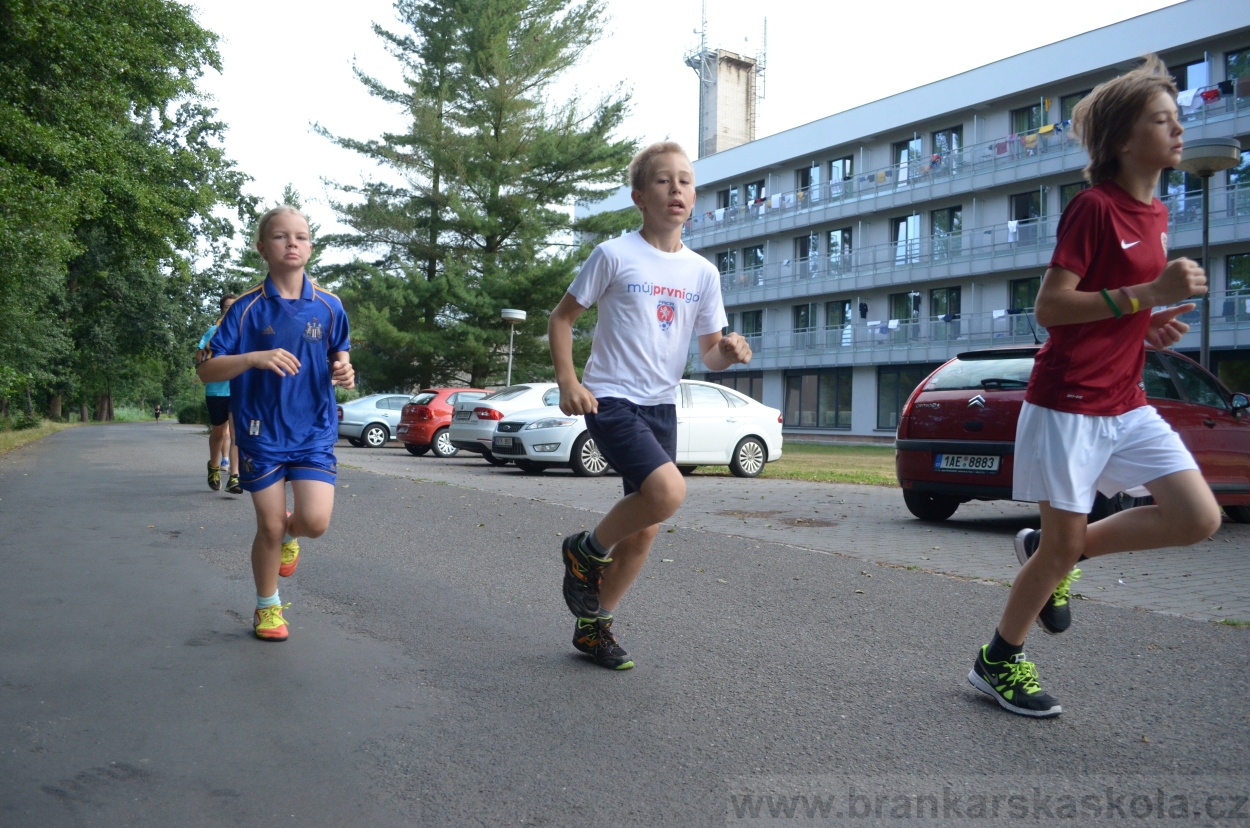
(881,341)
(1001,247)
(1050,150)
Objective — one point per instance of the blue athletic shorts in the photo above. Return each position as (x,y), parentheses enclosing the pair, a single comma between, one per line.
(258,472)
(635,439)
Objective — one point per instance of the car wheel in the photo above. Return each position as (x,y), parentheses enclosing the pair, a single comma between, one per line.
(417,451)
(493,460)
(355,441)
(586,460)
(686,471)
(1238,514)
(929,506)
(530,467)
(442,444)
(375,435)
(749,458)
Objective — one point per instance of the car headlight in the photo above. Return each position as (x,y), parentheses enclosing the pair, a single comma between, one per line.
(552,422)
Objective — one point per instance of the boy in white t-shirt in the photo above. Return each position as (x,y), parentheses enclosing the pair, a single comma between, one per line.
(653,292)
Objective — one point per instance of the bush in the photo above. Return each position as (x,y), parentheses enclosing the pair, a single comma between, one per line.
(22,421)
(193,413)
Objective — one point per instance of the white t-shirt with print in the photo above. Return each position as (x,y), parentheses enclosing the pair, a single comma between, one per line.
(650,304)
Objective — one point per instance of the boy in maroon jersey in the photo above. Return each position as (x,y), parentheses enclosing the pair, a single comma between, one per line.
(1085,424)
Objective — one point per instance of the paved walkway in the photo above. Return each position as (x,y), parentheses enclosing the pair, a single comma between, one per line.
(1209,581)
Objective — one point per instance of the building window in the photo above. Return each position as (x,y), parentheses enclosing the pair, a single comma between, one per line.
(947,231)
(752,324)
(840,171)
(1028,119)
(907,159)
(806,255)
(1068,103)
(1022,295)
(727,198)
(906,237)
(753,261)
(1236,66)
(840,251)
(1026,210)
(803,317)
(725,261)
(1067,192)
(755,192)
(946,146)
(894,385)
(819,399)
(1191,75)
(729,328)
(837,313)
(944,312)
(750,383)
(1182,194)
(1237,278)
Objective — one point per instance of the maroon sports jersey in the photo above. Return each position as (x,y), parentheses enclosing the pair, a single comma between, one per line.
(1110,240)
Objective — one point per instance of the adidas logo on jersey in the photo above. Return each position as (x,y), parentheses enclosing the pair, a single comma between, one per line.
(268,330)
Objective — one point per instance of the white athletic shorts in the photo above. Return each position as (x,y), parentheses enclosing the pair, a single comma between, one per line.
(1063,458)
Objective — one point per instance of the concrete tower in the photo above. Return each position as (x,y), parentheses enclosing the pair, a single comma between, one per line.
(730,87)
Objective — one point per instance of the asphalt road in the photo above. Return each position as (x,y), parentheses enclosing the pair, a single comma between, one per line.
(429,678)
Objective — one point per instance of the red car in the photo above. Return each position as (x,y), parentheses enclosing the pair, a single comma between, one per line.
(424,420)
(957,431)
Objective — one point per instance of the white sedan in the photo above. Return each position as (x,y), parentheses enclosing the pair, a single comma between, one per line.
(473,422)
(716,426)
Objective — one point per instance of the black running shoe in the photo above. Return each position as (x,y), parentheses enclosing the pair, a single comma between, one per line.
(1056,616)
(1013,684)
(214,477)
(582,573)
(593,636)
(232,485)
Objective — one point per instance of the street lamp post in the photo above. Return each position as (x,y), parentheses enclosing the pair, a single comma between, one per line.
(1204,158)
(512,316)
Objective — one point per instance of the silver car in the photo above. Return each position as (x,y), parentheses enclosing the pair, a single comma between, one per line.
(473,423)
(716,426)
(373,420)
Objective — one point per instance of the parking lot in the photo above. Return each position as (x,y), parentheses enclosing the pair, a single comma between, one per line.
(1208,582)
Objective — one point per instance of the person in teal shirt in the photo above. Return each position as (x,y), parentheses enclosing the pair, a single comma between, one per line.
(221,446)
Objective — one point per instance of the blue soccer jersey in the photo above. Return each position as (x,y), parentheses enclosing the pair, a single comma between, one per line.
(276,416)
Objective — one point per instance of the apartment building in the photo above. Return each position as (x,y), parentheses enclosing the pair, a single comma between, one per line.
(860,251)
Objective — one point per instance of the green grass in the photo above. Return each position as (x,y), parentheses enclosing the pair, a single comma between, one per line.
(868,465)
(10,440)
(1233,622)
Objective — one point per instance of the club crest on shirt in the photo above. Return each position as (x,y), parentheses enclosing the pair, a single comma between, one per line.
(665,313)
(312,331)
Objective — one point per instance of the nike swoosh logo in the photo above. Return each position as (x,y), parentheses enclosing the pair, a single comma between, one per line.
(1127,245)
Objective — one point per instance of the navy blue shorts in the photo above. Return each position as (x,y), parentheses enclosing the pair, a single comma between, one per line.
(635,439)
(258,472)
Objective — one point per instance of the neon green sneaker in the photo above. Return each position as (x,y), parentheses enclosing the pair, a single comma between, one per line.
(1013,684)
(214,477)
(268,623)
(290,558)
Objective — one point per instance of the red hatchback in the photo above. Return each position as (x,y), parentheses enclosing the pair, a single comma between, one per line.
(424,420)
(957,431)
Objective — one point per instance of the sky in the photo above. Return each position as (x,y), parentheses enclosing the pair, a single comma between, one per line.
(288,65)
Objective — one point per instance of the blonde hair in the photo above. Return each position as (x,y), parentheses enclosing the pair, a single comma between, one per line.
(281,210)
(640,166)
(1103,120)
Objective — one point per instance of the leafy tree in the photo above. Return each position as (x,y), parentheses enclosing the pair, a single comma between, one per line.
(110,170)
(490,171)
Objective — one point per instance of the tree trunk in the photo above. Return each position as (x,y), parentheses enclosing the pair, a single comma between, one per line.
(83,413)
(54,407)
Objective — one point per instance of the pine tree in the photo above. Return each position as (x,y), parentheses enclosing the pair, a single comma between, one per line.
(491,171)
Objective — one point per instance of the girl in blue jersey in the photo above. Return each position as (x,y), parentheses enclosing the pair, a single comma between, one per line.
(283,346)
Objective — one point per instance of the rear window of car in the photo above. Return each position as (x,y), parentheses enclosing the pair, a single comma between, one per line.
(963,374)
(422,399)
(506,393)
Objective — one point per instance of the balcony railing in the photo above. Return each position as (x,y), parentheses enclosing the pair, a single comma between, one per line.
(1230,319)
(1000,153)
(1228,205)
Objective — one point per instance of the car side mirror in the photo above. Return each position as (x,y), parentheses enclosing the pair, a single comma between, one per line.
(1240,403)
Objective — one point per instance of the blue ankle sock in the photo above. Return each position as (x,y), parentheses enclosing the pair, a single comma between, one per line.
(271,601)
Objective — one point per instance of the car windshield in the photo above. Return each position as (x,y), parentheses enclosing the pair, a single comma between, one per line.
(422,399)
(999,372)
